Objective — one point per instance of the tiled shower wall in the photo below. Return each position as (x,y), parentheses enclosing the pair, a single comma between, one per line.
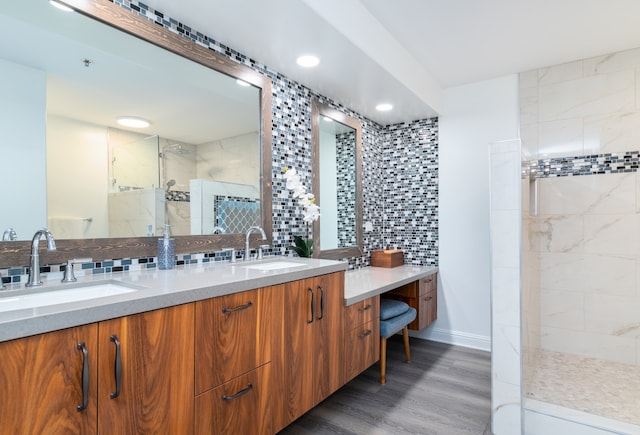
(409,191)
(580,128)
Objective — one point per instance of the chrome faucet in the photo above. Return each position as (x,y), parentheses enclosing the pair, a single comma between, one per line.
(217,230)
(34,264)
(247,249)
(9,234)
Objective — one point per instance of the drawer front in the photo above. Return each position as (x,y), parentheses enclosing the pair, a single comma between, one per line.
(362,348)
(240,406)
(427,284)
(233,336)
(428,309)
(362,312)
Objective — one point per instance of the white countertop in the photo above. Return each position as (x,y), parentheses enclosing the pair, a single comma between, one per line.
(155,289)
(364,283)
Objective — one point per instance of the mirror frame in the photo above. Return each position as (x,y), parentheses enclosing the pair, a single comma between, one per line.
(15,254)
(319,109)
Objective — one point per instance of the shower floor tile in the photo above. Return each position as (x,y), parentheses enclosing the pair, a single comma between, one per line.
(599,387)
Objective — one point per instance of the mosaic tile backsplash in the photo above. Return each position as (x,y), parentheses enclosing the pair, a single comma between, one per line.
(401,211)
(611,163)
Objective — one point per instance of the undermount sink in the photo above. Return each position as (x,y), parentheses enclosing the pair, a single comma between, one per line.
(274,265)
(64,295)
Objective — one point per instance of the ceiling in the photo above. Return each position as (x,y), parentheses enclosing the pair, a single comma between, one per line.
(406,52)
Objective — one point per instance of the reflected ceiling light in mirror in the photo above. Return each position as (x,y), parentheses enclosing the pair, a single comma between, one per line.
(327,119)
(133,122)
(384,107)
(60,6)
(308,61)
(242,83)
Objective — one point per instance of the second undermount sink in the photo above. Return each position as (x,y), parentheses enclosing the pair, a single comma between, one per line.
(273,265)
(64,295)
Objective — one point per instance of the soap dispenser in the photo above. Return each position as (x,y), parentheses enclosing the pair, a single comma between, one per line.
(166,249)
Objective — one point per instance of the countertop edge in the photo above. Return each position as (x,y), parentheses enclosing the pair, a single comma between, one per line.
(78,313)
(383,286)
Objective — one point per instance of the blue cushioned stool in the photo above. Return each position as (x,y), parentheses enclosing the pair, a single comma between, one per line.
(394,316)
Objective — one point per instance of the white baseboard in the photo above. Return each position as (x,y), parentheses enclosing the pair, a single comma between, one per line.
(457,338)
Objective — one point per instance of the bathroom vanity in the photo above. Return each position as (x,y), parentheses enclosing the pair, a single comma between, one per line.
(214,348)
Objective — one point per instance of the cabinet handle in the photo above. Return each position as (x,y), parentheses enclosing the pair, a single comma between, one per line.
(85,377)
(321,303)
(117,367)
(428,298)
(238,308)
(313,305)
(368,307)
(365,334)
(239,393)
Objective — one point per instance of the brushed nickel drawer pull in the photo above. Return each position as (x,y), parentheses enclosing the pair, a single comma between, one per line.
(368,307)
(239,393)
(366,334)
(238,308)
(85,377)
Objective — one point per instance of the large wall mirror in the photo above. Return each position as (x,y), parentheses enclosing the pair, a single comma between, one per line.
(203,165)
(337,182)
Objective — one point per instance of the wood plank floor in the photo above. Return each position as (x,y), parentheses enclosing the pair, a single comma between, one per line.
(445,390)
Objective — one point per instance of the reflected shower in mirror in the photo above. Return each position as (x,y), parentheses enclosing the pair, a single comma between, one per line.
(198,166)
(337,173)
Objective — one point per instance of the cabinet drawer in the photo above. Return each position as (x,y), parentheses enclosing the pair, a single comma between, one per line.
(362,348)
(233,336)
(240,406)
(362,312)
(428,309)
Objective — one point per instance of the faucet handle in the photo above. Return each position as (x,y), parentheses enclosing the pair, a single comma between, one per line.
(260,248)
(232,255)
(69,276)
(2,287)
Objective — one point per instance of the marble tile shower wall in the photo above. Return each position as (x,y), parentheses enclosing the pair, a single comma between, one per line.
(581,135)
(291,137)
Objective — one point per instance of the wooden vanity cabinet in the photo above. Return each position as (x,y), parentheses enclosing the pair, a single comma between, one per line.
(234,341)
(41,379)
(361,337)
(156,388)
(312,340)
(421,295)
(42,376)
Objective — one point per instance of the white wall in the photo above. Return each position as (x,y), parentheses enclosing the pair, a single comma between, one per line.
(473,116)
(22,115)
(76,151)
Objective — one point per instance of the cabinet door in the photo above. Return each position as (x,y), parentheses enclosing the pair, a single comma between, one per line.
(233,336)
(156,391)
(240,406)
(328,373)
(300,352)
(42,380)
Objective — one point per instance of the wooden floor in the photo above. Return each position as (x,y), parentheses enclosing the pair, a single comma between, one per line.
(445,390)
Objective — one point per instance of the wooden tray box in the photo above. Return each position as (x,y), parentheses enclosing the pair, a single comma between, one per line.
(387,258)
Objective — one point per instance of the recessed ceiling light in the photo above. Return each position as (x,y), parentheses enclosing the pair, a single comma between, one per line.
(60,6)
(242,83)
(384,107)
(308,61)
(133,122)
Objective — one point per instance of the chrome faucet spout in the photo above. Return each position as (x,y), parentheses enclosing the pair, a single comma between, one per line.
(9,234)
(247,248)
(34,263)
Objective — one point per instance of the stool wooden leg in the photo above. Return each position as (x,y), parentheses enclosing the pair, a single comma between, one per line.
(405,337)
(383,360)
